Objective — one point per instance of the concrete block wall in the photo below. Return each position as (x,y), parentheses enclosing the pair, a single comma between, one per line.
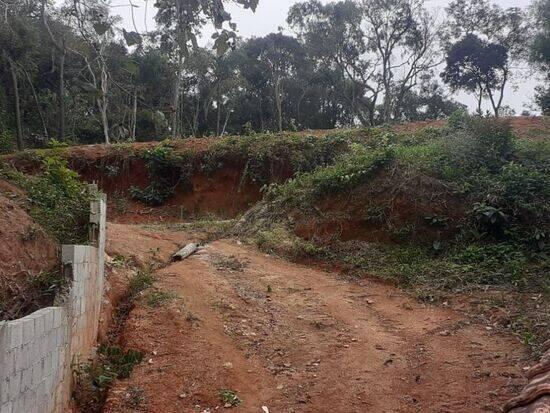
(38,352)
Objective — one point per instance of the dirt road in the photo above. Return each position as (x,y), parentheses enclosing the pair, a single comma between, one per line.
(287,338)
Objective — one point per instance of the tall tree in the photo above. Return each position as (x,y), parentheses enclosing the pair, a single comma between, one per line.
(402,35)
(335,41)
(16,42)
(59,43)
(181,22)
(540,51)
(479,67)
(483,27)
(280,57)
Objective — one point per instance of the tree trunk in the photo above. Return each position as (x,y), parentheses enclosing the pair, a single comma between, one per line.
(226,122)
(38,108)
(134,116)
(103,104)
(279,105)
(479,100)
(17,104)
(61,95)
(218,120)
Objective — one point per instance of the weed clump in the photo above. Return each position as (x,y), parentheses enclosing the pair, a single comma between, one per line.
(94,379)
(58,200)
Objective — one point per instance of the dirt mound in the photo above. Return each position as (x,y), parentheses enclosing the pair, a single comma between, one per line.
(26,251)
(380,210)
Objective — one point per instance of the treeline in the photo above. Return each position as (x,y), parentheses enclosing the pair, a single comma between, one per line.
(70,72)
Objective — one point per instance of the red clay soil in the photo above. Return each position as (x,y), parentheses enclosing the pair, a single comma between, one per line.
(25,248)
(407,201)
(526,127)
(296,339)
(221,193)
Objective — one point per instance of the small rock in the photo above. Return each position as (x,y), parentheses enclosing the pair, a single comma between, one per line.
(445,333)
(228,365)
(265,409)
(228,405)
(280,387)
(150,361)
(182,396)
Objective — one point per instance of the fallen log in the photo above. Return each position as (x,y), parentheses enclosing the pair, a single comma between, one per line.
(185,252)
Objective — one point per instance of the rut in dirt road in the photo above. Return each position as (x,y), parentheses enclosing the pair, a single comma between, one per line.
(296,339)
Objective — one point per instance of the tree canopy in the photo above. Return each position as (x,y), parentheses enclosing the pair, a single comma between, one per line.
(71,72)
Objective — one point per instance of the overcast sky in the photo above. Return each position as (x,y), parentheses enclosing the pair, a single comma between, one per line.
(271,14)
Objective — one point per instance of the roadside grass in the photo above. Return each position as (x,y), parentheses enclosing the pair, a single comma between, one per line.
(155,299)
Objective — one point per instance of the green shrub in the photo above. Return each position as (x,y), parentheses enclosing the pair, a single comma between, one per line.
(345,175)
(166,171)
(480,144)
(7,141)
(59,201)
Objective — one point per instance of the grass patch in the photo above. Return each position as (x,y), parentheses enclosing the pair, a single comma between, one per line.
(279,240)
(94,379)
(142,280)
(229,398)
(155,299)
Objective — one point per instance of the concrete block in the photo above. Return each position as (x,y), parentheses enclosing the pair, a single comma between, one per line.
(30,402)
(19,404)
(15,334)
(47,362)
(15,385)
(28,330)
(68,254)
(8,363)
(7,408)
(4,389)
(26,380)
(21,360)
(48,320)
(57,317)
(39,325)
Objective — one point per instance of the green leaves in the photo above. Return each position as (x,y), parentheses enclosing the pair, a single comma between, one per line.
(101,28)
(132,38)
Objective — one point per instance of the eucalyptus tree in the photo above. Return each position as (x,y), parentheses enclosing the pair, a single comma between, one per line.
(181,22)
(281,58)
(334,40)
(540,50)
(483,42)
(58,40)
(402,36)
(95,25)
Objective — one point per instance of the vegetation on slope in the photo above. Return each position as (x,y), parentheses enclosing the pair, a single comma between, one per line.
(58,200)
(496,236)
(59,203)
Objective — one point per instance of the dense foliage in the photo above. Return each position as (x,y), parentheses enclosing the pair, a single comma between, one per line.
(70,71)
(502,184)
(58,199)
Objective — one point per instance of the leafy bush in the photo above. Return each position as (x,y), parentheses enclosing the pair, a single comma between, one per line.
(166,171)
(345,175)
(7,141)
(59,201)
(480,144)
